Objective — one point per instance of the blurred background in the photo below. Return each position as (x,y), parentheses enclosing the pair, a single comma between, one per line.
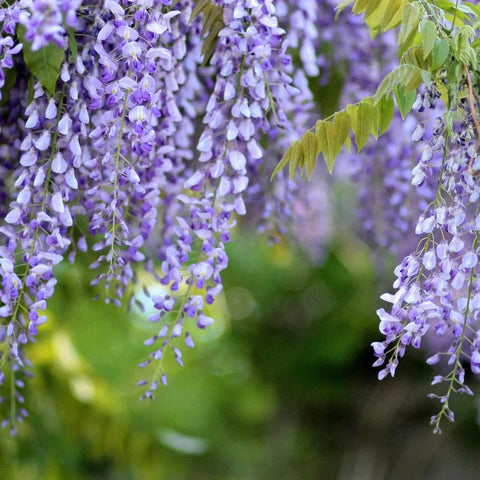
(280,387)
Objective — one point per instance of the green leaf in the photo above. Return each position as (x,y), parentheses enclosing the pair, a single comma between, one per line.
(473,8)
(309,146)
(376,9)
(440,53)
(429,36)
(359,6)
(341,128)
(197,9)
(410,21)
(375,118)
(10,79)
(386,108)
(393,14)
(72,43)
(291,155)
(30,89)
(362,120)
(211,16)
(212,25)
(414,56)
(455,8)
(296,159)
(331,137)
(404,100)
(408,76)
(210,42)
(44,64)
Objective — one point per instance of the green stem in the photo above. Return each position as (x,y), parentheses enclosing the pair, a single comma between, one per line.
(115,184)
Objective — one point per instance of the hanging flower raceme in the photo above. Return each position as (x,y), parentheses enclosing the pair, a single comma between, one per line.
(437,289)
(109,135)
(245,104)
(144,131)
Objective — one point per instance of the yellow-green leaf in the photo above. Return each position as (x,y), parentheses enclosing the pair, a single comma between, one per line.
(386,108)
(375,8)
(410,21)
(309,147)
(439,53)
(339,132)
(475,9)
(212,24)
(362,120)
(393,14)
(198,8)
(404,100)
(210,17)
(375,118)
(359,6)
(429,35)
(414,56)
(291,154)
(407,75)
(296,159)
(210,42)
(332,136)
(348,143)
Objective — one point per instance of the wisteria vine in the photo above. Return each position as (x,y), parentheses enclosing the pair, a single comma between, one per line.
(142,131)
(123,142)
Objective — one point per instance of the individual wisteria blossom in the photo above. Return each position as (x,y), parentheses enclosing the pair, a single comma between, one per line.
(437,286)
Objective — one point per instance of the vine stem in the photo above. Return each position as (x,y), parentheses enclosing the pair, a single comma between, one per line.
(471,102)
(115,184)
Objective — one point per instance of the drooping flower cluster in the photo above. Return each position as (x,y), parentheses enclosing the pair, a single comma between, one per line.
(247,103)
(156,154)
(144,131)
(437,286)
(45,21)
(397,180)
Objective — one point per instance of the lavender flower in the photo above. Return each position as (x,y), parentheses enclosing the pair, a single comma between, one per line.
(436,287)
(43,21)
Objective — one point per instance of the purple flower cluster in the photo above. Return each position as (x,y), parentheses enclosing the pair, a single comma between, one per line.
(437,286)
(159,155)
(9,47)
(44,20)
(136,151)
(248,101)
